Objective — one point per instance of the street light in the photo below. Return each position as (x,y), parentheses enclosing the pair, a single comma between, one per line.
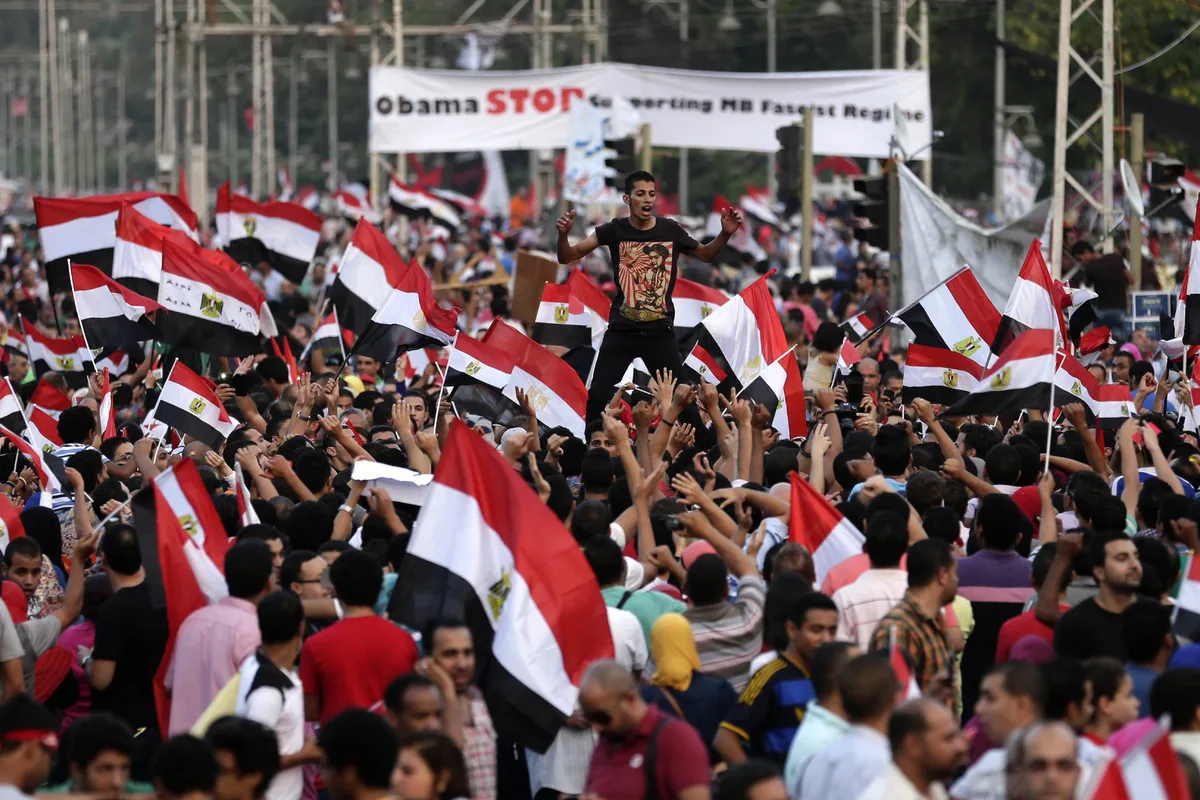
(728,22)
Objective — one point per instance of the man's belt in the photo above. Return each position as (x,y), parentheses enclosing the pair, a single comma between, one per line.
(641,314)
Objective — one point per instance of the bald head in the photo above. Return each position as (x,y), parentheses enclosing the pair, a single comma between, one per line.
(608,676)
(195,452)
(1043,762)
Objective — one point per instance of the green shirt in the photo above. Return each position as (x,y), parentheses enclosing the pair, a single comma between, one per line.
(133,787)
(646,606)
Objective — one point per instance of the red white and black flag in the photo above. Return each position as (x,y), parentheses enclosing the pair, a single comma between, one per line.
(11,415)
(478,373)
(780,387)
(329,336)
(1035,303)
(1074,384)
(694,303)
(955,315)
(514,573)
(562,319)
(417,204)
(739,339)
(555,390)
(1021,378)
(110,314)
(285,235)
(355,208)
(49,470)
(137,255)
(369,269)
(42,432)
(821,528)
(108,412)
(84,228)
(189,405)
(211,304)
(859,326)
(69,357)
(848,357)
(410,318)
(938,375)
(1114,406)
(49,398)
(183,546)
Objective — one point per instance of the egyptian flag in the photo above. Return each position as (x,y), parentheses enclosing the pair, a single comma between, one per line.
(415,362)
(780,387)
(847,358)
(693,302)
(1035,302)
(1079,307)
(84,228)
(183,546)
(598,304)
(49,470)
(740,243)
(518,578)
(859,326)
(938,375)
(212,306)
(50,399)
(14,343)
(11,415)
(637,374)
(286,356)
(555,390)
(821,528)
(369,268)
(246,513)
(137,254)
(285,235)
(461,202)
(561,318)
(308,198)
(1074,384)
(409,319)
(355,208)
(328,336)
(417,204)
(1114,405)
(955,315)
(1149,770)
(478,373)
(110,314)
(188,404)
(1021,378)
(42,432)
(1092,343)
(108,414)
(11,526)
(70,357)
(739,339)
(1187,317)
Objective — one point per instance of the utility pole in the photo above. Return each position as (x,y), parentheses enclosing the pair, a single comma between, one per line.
(256,91)
(67,117)
(646,157)
(44,25)
(806,197)
(6,96)
(294,115)
(28,92)
(122,129)
(1067,133)
(83,141)
(232,121)
(170,166)
(1138,154)
(998,126)
(332,104)
(919,36)
(55,99)
(272,174)
(876,34)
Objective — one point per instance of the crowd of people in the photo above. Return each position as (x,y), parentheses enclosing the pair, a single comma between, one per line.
(1006,631)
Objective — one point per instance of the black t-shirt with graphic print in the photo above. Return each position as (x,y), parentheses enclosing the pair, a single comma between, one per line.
(645,264)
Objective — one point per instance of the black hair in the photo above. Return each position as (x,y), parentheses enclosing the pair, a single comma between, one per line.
(1041,567)
(886,539)
(272,368)
(357,578)
(596,470)
(1176,692)
(942,524)
(1066,684)
(1150,497)
(1145,625)
(335,546)
(248,567)
(604,557)
(443,757)
(980,438)
(260,532)
(317,528)
(906,720)
(737,782)
(1022,679)
(89,464)
(783,591)
(1098,546)
(813,601)
(41,524)
(88,737)
(926,559)
(893,451)
(108,448)
(280,615)
(638,176)
(998,521)
(591,519)
(254,748)
(25,546)
(185,764)
(1106,675)
(312,468)
(707,581)
(1003,464)
(827,664)
(868,687)
(76,425)
(362,740)
(1160,566)
(393,696)
(120,549)
(828,337)
(924,490)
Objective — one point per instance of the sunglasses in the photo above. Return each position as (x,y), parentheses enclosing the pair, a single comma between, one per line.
(600,717)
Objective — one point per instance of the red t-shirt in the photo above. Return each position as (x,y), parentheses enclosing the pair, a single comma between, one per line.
(681,761)
(1018,628)
(351,663)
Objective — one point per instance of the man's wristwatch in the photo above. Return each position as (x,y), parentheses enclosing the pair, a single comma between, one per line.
(348,509)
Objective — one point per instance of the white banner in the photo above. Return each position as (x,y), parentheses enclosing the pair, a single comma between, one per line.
(428,111)
(585,170)
(1023,176)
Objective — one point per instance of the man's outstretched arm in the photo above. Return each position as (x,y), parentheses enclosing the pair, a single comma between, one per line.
(567,253)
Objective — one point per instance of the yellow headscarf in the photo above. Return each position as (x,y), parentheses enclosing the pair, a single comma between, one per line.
(674,651)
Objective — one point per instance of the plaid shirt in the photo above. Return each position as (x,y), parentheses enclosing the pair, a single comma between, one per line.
(922,639)
(479,748)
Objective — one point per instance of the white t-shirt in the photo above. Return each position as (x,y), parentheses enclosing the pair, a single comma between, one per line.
(629,642)
(275,698)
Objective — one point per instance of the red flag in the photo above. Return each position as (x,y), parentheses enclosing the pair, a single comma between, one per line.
(108,414)
(821,528)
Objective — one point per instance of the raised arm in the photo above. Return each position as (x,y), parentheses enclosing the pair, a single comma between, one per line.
(1095,456)
(731,220)
(568,252)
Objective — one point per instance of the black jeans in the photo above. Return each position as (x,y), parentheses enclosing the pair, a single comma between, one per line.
(656,347)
